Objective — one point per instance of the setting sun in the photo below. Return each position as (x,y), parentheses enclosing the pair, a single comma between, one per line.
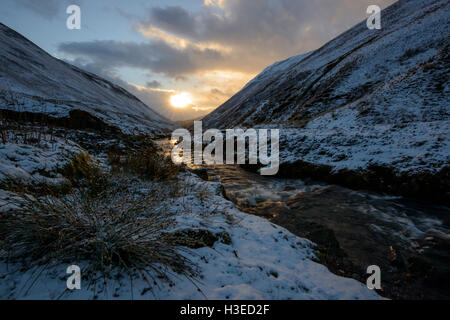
(181,100)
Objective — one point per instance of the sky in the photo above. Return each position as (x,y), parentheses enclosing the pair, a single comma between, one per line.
(183,58)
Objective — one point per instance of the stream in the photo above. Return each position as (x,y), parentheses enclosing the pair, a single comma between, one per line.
(408,240)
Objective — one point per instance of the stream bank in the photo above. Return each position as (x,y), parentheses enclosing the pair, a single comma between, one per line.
(408,240)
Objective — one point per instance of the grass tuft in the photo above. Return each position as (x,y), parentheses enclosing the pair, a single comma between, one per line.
(81,171)
(147,163)
(115,229)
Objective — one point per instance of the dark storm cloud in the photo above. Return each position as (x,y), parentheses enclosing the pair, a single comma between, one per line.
(153,84)
(287,27)
(247,22)
(48,9)
(101,69)
(173,19)
(156,56)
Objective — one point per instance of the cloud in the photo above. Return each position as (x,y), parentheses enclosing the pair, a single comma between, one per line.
(236,35)
(218,92)
(215,50)
(216,3)
(152,94)
(48,9)
(153,84)
(173,19)
(248,34)
(156,56)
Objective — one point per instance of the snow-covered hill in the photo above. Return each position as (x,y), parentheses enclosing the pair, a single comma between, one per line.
(32,80)
(368,97)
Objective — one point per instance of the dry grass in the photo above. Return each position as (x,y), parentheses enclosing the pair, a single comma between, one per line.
(81,171)
(101,221)
(114,229)
(25,132)
(36,187)
(24,135)
(146,163)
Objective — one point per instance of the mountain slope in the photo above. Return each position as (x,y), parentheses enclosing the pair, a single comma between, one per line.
(368,97)
(32,80)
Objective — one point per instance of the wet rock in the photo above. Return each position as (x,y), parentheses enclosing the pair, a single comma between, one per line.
(201,173)
(326,239)
(396,259)
(418,267)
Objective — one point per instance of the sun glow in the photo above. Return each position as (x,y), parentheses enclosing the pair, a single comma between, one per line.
(181,100)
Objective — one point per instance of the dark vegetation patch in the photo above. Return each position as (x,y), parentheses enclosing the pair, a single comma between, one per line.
(410,53)
(35,188)
(145,161)
(77,119)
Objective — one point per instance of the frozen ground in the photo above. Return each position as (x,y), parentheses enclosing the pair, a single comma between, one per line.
(36,162)
(344,144)
(263,261)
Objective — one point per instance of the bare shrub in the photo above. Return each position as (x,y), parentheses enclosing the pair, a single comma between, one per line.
(34,187)
(81,171)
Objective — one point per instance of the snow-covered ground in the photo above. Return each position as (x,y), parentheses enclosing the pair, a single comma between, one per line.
(344,144)
(263,261)
(36,162)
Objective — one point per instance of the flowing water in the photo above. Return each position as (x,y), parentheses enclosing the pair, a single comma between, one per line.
(408,240)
